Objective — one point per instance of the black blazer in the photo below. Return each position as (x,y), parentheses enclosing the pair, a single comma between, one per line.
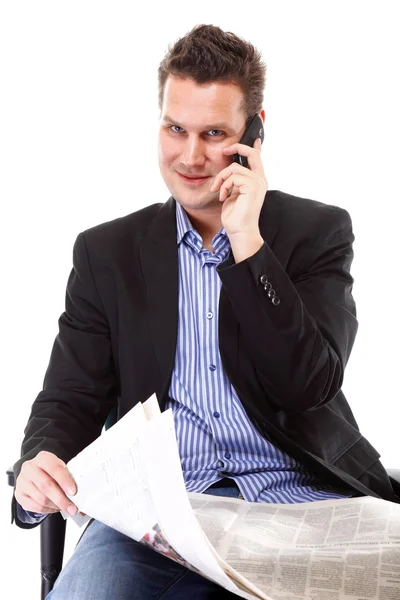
(284,350)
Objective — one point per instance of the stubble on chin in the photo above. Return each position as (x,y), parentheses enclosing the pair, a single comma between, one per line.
(206,201)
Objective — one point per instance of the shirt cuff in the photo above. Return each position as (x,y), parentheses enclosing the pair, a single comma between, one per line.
(27,516)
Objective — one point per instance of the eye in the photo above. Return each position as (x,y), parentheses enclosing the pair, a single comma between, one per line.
(215,130)
(177,126)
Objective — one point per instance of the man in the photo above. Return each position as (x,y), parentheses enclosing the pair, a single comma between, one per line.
(233,303)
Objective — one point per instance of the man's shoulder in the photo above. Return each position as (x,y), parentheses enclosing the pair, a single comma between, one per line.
(131,224)
(139,219)
(291,213)
(293,207)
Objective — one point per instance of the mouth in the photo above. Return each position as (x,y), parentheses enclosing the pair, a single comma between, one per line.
(193,180)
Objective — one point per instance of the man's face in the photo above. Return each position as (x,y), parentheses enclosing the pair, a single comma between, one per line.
(197,122)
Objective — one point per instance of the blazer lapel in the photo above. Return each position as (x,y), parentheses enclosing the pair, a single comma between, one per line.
(159,258)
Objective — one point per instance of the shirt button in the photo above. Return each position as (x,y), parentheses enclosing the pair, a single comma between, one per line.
(227,455)
(210,315)
(216,415)
(212,367)
(220,464)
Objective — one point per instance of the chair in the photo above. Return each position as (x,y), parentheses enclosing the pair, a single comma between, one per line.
(52,534)
(52,530)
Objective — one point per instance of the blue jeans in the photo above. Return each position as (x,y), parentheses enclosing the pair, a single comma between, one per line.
(107,565)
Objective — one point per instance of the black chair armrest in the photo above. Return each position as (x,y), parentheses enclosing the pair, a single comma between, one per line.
(10,476)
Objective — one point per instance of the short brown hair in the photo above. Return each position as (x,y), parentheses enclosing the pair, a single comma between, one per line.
(208,54)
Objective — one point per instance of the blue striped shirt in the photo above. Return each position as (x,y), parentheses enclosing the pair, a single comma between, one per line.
(215,436)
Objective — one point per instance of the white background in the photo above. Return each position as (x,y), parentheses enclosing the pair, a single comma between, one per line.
(78,144)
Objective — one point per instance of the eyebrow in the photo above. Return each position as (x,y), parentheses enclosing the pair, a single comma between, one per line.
(220,125)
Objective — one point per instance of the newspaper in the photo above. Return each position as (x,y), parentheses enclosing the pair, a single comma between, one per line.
(130,478)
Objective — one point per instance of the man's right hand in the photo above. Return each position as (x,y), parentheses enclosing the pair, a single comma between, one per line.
(42,484)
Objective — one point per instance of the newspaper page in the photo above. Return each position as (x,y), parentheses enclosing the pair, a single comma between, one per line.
(115,476)
(111,479)
(347,549)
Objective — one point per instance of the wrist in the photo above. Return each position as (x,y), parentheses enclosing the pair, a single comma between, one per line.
(245,245)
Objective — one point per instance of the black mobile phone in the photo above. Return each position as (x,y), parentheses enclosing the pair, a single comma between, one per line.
(253,131)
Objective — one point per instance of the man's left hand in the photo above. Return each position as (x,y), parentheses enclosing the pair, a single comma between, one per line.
(242,191)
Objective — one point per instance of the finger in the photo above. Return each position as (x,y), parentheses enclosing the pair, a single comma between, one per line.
(48,487)
(226,188)
(32,491)
(243,149)
(33,500)
(225,174)
(56,468)
(29,504)
(253,155)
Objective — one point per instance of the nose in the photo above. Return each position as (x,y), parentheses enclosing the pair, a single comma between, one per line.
(193,152)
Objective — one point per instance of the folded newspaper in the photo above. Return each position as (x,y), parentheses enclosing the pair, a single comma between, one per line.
(130,478)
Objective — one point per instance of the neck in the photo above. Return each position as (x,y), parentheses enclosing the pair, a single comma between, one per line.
(207,225)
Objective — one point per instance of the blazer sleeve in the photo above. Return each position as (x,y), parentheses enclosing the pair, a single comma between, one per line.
(300,343)
(80,385)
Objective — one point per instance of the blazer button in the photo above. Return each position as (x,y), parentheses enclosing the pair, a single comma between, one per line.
(271,293)
(263,279)
(267,286)
(276,300)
